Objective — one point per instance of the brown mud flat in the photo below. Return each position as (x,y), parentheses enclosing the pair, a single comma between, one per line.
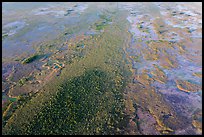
(165,70)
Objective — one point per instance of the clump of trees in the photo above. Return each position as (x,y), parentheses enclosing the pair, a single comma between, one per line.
(30,59)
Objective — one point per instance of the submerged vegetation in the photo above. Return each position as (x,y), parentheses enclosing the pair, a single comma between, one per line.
(105,19)
(100,26)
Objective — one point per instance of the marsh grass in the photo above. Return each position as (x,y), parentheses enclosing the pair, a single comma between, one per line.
(87,98)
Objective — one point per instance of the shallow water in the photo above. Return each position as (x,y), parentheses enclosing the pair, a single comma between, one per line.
(185,69)
(36,25)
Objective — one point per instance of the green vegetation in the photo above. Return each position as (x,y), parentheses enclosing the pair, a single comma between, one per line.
(106,18)
(8,112)
(85,85)
(22,81)
(100,26)
(12,105)
(140,26)
(86,101)
(4,35)
(87,98)
(30,59)
(12,99)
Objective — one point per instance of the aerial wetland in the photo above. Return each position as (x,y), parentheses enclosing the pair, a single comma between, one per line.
(77,68)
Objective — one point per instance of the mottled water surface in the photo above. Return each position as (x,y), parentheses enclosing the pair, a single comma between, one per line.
(102,68)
